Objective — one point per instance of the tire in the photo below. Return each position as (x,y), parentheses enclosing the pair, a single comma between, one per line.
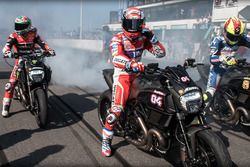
(214,148)
(104,103)
(42,108)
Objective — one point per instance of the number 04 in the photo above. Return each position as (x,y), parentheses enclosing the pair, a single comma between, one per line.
(156,100)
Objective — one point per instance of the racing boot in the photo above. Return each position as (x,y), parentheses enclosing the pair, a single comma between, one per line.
(107,136)
(6,107)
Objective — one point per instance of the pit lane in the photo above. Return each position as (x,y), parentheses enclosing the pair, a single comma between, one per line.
(72,137)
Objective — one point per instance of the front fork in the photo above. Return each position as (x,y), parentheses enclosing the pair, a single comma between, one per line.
(189,136)
(185,138)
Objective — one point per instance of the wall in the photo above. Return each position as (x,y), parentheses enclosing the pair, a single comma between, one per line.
(87,45)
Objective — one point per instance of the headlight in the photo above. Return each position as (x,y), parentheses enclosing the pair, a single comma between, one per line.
(36,75)
(191,101)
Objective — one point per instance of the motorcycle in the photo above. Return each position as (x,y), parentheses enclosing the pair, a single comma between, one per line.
(165,109)
(231,101)
(32,86)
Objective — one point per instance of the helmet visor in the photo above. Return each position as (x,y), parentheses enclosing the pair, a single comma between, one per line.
(232,37)
(132,25)
(19,27)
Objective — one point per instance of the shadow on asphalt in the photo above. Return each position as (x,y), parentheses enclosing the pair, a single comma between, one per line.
(79,103)
(5,74)
(14,137)
(117,146)
(63,106)
(34,158)
(12,113)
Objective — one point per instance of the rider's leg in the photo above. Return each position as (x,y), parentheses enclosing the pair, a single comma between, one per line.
(120,93)
(9,88)
(214,76)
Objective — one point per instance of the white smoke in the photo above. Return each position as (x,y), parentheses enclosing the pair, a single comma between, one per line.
(78,68)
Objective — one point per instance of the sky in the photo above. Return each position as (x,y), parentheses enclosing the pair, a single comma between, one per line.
(58,14)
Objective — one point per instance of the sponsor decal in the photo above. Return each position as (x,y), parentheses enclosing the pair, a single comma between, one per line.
(119,60)
(159,92)
(245,84)
(190,89)
(114,49)
(237,30)
(247,78)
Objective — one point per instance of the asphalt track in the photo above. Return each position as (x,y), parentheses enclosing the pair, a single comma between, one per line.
(73,134)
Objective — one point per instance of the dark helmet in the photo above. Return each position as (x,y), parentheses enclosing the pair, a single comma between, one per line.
(22,25)
(132,22)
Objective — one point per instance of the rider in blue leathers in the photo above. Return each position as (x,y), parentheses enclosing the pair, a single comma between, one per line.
(223,49)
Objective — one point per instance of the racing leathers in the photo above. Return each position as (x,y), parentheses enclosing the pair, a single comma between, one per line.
(124,53)
(21,45)
(219,50)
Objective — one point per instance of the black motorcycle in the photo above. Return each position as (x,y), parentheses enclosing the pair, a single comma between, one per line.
(231,101)
(32,86)
(164,110)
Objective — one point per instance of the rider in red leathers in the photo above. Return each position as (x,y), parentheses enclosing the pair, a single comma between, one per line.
(23,41)
(126,49)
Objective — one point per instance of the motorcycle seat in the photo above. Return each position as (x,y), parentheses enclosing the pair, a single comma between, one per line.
(108,76)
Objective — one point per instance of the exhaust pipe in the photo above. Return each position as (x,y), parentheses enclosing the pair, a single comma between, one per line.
(156,133)
(147,140)
(233,118)
(244,112)
(145,135)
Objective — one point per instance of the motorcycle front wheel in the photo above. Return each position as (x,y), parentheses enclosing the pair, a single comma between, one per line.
(41,105)
(210,151)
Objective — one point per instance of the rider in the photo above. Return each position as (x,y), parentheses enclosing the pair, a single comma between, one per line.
(23,41)
(126,49)
(222,52)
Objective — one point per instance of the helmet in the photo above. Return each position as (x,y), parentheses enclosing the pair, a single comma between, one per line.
(233,28)
(132,22)
(22,25)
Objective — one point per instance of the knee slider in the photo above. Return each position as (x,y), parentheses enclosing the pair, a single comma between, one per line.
(111,118)
(8,86)
(114,115)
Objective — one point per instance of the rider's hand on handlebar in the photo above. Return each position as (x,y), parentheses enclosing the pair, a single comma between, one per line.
(135,66)
(228,60)
(51,52)
(8,54)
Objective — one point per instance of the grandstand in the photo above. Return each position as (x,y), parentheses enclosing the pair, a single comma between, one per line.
(185,26)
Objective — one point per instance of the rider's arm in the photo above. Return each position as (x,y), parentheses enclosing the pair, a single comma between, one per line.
(246,40)
(10,42)
(152,44)
(215,51)
(119,59)
(38,40)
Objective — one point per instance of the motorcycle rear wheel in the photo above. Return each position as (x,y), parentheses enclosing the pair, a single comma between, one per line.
(104,104)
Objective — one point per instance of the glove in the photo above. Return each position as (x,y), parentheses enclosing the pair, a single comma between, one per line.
(149,35)
(135,66)
(51,52)
(228,60)
(8,54)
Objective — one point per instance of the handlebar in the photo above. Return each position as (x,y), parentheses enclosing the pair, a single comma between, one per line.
(239,63)
(36,54)
(190,62)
